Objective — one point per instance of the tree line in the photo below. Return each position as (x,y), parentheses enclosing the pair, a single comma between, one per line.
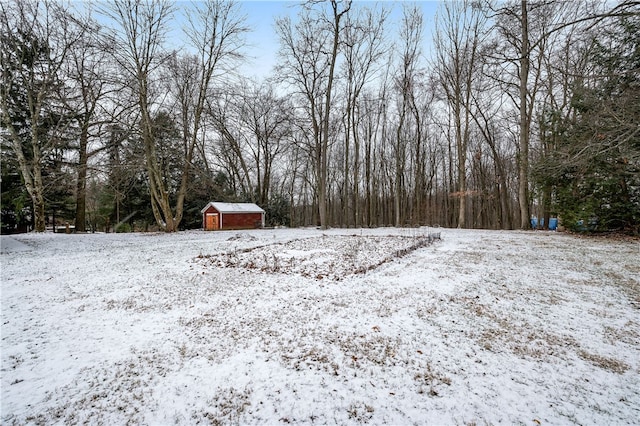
(495,113)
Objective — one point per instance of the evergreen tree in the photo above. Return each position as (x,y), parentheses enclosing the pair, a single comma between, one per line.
(597,166)
(35,40)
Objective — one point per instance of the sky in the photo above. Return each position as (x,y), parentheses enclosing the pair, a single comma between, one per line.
(262,48)
(263,44)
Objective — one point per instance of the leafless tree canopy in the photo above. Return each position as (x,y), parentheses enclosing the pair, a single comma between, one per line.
(134,114)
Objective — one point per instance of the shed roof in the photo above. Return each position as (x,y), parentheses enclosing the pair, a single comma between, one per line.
(234,207)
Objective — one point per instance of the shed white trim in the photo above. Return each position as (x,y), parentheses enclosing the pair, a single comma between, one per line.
(233,207)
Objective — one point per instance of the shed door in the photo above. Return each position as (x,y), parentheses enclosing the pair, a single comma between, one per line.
(211,223)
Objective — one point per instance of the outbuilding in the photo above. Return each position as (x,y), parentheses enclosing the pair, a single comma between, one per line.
(217,216)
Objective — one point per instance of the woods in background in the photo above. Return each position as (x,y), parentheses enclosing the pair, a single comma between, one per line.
(497,112)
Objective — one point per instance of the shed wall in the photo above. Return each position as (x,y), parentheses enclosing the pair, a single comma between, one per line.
(241,220)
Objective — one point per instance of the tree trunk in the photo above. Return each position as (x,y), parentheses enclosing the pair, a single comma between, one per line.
(36,186)
(461,147)
(356,176)
(32,175)
(81,188)
(322,187)
(38,211)
(523,155)
(345,220)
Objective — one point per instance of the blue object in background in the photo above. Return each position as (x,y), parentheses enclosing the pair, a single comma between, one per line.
(553,223)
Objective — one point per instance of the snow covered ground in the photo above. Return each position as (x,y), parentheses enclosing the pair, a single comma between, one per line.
(296,326)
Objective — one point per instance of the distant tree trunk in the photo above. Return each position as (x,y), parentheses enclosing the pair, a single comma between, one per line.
(399,170)
(411,34)
(363,48)
(457,41)
(308,65)
(88,74)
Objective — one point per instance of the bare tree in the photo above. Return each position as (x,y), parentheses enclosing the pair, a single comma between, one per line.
(139,35)
(457,41)
(268,118)
(364,46)
(373,124)
(406,81)
(337,13)
(89,80)
(305,67)
(524,52)
(214,29)
(232,148)
(487,101)
(253,124)
(311,69)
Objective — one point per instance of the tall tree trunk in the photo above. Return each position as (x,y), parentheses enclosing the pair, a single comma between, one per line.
(31,173)
(399,168)
(81,187)
(356,174)
(37,197)
(345,220)
(461,147)
(322,187)
(523,154)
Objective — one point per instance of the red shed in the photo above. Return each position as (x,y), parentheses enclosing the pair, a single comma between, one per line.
(232,216)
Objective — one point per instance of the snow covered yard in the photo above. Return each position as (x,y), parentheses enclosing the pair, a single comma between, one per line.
(305,326)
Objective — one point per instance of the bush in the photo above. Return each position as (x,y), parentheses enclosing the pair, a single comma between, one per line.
(122,228)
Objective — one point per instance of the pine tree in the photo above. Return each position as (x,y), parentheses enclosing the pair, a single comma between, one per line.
(597,166)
